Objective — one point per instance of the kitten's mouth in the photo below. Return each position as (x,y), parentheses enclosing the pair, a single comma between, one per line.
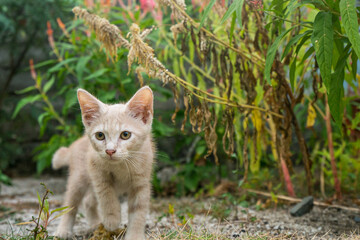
(112,158)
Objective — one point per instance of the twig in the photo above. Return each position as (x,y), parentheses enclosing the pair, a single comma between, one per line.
(316,203)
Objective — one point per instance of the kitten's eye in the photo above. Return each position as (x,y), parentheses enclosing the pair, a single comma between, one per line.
(100,136)
(125,135)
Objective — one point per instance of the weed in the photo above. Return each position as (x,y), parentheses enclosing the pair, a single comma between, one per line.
(45,215)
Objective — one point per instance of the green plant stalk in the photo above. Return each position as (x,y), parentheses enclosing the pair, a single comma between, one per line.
(41,209)
(49,104)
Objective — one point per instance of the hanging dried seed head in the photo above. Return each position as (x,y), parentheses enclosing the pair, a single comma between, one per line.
(210,132)
(139,51)
(203,42)
(181,3)
(177,28)
(186,104)
(108,34)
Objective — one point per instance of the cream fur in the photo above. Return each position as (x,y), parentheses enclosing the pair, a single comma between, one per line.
(98,178)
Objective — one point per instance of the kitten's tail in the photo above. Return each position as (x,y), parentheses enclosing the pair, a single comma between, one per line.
(61,158)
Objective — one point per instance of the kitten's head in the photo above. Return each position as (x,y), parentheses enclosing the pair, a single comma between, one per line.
(117,131)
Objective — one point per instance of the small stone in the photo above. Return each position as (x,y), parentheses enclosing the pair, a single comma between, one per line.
(276,227)
(357,219)
(235,235)
(302,207)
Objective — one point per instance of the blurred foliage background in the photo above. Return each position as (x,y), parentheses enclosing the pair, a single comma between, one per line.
(263,96)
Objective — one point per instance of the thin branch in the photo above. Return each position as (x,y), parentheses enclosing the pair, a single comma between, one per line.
(293,199)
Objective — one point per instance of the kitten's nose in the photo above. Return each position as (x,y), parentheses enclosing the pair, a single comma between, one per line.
(110,151)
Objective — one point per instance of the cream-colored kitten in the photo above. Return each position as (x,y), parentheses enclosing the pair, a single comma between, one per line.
(114,157)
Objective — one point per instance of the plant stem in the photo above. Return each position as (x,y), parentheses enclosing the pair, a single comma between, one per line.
(39,217)
(303,148)
(331,150)
(289,186)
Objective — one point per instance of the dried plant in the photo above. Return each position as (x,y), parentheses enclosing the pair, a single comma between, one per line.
(201,118)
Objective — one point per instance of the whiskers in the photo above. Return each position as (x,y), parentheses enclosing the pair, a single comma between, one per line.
(133,161)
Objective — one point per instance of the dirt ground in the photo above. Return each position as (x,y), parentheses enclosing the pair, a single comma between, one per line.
(18,203)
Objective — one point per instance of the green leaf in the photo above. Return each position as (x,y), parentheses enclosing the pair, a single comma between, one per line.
(259,93)
(46,205)
(232,27)
(58,66)
(206,12)
(336,89)
(80,66)
(59,209)
(41,64)
(292,73)
(271,53)
(23,102)
(307,54)
(293,41)
(39,199)
(354,59)
(41,117)
(323,40)
(302,42)
(62,213)
(290,7)
(239,6)
(96,74)
(350,23)
(229,12)
(49,84)
(25,90)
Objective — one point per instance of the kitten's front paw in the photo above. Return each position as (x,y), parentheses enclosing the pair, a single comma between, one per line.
(136,236)
(111,223)
(63,234)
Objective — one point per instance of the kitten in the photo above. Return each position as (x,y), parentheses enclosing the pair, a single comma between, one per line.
(114,157)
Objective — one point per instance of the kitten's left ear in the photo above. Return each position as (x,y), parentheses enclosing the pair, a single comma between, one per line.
(90,107)
(141,105)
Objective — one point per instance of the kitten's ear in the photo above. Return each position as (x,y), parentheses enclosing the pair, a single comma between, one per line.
(141,105)
(90,107)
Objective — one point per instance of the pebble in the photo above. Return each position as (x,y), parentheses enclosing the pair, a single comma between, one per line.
(235,235)
(357,219)
(302,207)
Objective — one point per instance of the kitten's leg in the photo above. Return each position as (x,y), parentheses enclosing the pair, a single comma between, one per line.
(91,211)
(109,205)
(138,201)
(75,191)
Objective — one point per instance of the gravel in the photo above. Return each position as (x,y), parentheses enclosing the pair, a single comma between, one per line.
(19,203)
